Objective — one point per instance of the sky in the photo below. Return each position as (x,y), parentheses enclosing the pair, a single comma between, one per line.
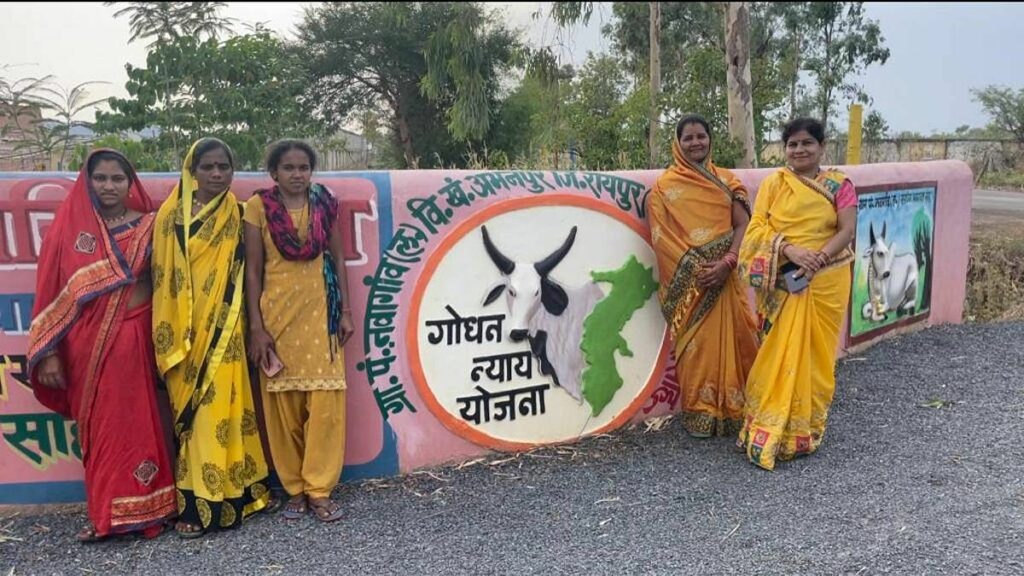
(940,51)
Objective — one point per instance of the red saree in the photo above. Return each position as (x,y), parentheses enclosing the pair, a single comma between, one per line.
(85,277)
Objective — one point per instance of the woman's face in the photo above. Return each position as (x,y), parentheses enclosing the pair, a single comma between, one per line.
(293,172)
(214,172)
(695,142)
(110,183)
(804,152)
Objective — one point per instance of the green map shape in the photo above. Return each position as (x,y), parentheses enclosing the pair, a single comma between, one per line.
(632,285)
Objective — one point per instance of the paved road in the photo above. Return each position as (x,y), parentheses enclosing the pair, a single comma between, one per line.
(921,472)
(995,201)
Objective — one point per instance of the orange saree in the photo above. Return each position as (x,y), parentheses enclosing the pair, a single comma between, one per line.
(690,213)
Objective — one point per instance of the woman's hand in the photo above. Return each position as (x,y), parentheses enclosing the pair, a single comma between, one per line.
(713,274)
(804,258)
(51,373)
(260,345)
(347,327)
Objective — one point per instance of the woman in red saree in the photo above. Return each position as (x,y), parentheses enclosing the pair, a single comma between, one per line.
(91,351)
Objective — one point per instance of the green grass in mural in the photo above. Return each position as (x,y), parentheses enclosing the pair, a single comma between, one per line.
(632,285)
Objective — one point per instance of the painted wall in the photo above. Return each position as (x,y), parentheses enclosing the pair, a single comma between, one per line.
(435,373)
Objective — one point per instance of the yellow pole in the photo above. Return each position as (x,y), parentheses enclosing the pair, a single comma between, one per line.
(853,142)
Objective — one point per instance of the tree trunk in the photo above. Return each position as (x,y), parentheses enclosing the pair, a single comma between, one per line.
(406,139)
(795,80)
(737,55)
(652,136)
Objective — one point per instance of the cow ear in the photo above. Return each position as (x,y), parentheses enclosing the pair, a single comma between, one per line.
(494,292)
(553,297)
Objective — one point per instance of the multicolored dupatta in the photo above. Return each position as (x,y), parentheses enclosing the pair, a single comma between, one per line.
(323,213)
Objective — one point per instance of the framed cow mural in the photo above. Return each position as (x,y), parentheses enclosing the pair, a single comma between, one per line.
(892,275)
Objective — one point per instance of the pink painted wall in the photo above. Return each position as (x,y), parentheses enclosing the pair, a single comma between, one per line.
(386,433)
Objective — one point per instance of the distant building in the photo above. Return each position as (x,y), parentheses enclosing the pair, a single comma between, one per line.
(18,155)
(345,151)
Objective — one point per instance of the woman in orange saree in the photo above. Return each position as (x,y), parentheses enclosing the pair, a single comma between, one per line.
(698,213)
(805,216)
(90,349)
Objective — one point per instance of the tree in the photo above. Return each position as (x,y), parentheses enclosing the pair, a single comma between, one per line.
(737,57)
(566,13)
(66,105)
(168,21)
(1005,107)
(875,127)
(20,105)
(693,48)
(244,89)
(433,64)
(606,121)
(655,85)
(841,43)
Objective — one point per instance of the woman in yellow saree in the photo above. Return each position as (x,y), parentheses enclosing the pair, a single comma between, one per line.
(804,216)
(698,213)
(198,272)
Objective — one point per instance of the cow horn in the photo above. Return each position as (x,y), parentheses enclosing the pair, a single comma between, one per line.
(500,260)
(548,264)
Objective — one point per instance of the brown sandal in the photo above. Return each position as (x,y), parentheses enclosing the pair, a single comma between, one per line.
(296,507)
(325,509)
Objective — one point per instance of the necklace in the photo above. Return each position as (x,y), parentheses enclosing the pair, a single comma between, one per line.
(116,219)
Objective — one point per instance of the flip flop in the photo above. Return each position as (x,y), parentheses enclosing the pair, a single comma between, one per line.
(332,516)
(296,509)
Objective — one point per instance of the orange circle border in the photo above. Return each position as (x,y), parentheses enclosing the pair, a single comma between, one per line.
(459,427)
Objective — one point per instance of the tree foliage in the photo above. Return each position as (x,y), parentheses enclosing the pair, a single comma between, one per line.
(244,90)
(434,66)
(1005,107)
(875,127)
(168,21)
(842,42)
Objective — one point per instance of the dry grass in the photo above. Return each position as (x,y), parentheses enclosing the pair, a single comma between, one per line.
(995,274)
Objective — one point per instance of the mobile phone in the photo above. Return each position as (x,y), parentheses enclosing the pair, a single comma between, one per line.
(788,280)
(273,365)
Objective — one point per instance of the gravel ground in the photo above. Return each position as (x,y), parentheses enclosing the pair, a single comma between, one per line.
(921,472)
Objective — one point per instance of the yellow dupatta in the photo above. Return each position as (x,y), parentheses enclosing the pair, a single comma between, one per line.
(197,298)
(690,212)
(198,270)
(794,209)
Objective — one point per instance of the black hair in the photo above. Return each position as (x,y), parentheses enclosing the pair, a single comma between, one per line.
(692,119)
(281,147)
(210,144)
(96,158)
(811,125)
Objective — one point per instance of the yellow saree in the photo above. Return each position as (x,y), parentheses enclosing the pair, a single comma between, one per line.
(690,212)
(197,331)
(791,384)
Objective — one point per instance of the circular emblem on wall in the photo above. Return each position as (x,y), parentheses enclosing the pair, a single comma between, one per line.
(536,321)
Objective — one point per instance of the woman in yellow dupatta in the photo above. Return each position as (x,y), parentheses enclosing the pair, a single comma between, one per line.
(197,332)
(698,213)
(805,216)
